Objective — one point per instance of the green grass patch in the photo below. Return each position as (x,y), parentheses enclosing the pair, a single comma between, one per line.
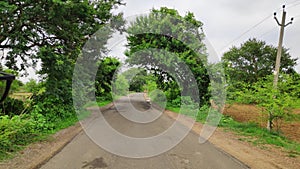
(173,109)
(103,103)
(98,103)
(260,136)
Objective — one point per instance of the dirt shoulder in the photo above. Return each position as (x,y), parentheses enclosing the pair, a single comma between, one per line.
(253,156)
(38,153)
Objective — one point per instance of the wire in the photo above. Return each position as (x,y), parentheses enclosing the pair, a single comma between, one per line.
(292,4)
(246,31)
(269,31)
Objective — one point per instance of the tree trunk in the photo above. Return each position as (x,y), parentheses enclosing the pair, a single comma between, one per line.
(270,122)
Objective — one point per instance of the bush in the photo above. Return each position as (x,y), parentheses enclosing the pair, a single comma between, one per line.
(11,107)
(202,114)
(158,97)
(15,132)
(104,97)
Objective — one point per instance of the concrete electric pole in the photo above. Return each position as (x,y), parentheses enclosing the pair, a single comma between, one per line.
(279,49)
(278,58)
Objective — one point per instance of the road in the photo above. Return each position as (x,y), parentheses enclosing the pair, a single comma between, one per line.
(83,153)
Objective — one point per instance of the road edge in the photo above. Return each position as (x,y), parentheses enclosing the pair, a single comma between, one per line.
(251,156)
(77,130)
(45,150)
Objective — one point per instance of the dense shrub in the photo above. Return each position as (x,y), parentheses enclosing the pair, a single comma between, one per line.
(15,132)
(11,107)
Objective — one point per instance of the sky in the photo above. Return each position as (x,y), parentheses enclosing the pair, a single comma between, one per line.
(229,23)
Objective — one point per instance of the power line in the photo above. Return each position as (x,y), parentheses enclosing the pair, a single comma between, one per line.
(292,4)
(269,31)
(247,31)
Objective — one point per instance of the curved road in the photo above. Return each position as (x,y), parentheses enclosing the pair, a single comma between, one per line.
(83,153)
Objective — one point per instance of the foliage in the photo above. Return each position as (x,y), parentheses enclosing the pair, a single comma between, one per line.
(34,87)
(106,69)
(28,25)
(277,103)
(15,132)
(167,31)
(202,114)
(12,107)
(137,78)
(19,130)
(254,60)
(158,97)
(251,132)
(120,86)
(151,83)
(52,32)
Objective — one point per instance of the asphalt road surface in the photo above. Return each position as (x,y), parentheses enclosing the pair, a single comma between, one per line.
(83,153)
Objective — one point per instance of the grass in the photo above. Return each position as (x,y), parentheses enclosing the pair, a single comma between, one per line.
(173,109)
(252,132)
(103,103)
(296,103)
(85,113)
(260,136)
(15,135)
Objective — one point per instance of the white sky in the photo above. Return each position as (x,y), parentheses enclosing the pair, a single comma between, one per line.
(226,21)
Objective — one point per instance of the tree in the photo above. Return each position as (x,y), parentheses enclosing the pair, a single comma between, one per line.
(120,86)
(254,60)
(178,43)
(106,70)
(276,103)
(137,78)
(52,32)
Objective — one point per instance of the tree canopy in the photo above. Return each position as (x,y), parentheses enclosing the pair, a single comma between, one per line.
(178,42)
(52,32)
(28,25)
(253,60)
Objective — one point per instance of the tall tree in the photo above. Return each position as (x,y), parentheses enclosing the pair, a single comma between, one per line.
(53,32)
(172,35)
(254,60)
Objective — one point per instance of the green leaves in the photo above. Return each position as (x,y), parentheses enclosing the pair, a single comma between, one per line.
(254,60)
(107,67)
(276,103)
(163,42)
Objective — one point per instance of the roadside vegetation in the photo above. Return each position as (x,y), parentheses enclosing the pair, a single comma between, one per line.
(36,109)
(51,33)
(249,81)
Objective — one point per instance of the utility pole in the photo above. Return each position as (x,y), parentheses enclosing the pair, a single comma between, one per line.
(279,49)
(278,57)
